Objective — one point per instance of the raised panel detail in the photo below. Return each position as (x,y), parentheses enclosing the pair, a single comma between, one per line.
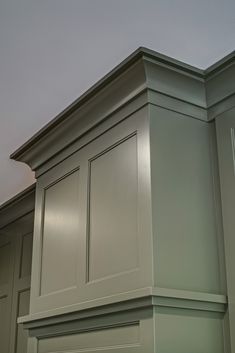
(112,231)
(26,255)
(60,234)
(23,309)
(95,239)
(5,256)
(102,340)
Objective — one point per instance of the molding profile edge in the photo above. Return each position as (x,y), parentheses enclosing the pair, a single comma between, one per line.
(156,297)
(201,94)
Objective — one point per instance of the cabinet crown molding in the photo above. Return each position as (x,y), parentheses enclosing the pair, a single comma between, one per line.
(18,206)
(144,77)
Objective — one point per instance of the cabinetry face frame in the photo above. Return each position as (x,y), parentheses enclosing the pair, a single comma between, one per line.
(131,134)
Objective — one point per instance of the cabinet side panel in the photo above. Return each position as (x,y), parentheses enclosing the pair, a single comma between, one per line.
(184,217)
(183,331)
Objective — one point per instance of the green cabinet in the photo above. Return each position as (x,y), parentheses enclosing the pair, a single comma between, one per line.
(128,250)
(16,240)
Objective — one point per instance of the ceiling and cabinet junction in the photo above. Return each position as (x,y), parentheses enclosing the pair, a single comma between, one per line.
(133,218)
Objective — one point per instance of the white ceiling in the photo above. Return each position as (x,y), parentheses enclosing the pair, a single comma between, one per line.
(53,50)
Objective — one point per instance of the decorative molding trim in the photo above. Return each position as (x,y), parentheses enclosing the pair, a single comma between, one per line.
(189,295)
(18,206)
(47,159)
(221,107)
(189,300)
(118,320)
(95,315)
(177,105)
(84,114)
(95,304)
(159,297)
(106,80)
(200,94)
(220,65)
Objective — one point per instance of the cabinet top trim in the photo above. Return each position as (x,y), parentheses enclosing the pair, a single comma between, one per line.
(144,69)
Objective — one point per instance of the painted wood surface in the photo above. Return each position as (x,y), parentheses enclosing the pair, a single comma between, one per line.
(225,127)
(128,213)
(187,239)
(6,283)
(15,269)
(92,210)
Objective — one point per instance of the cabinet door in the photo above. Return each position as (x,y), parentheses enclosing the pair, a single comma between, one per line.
(225,126)
(6,281)
(22,231)
(93,226)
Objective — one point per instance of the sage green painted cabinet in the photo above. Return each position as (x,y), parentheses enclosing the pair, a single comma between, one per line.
(15,271)
(183,331)
(6,282)
(186,225)
(93,223)
(225,126)
(128,249)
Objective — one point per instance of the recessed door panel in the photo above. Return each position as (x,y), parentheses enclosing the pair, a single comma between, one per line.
(60,232)
(113,196)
